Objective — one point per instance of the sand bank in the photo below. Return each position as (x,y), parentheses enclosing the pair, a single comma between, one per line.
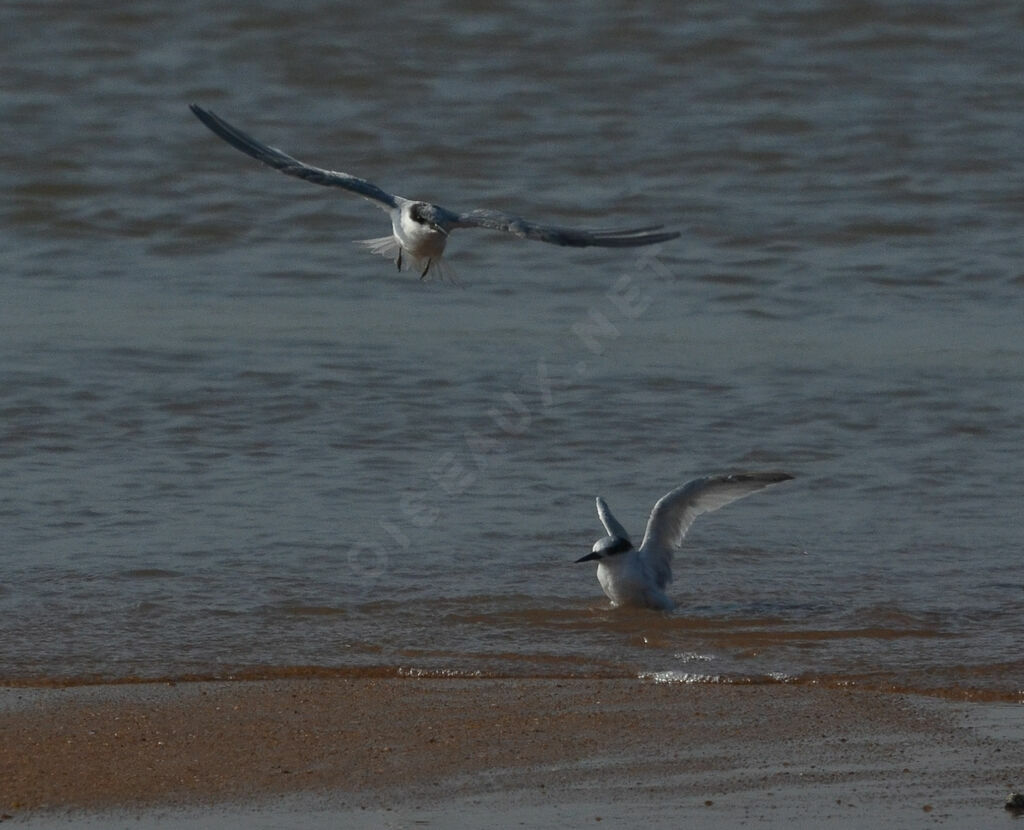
(391,752)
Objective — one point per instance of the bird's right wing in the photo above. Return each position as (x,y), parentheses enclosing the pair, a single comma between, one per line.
(279,160)
(675,512)
(610,523)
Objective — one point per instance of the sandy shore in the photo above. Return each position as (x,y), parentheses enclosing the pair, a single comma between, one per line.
(398,752)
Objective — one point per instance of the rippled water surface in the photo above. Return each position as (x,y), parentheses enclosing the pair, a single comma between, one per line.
(233,441)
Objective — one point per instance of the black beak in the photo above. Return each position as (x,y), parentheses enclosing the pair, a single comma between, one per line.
(590,556)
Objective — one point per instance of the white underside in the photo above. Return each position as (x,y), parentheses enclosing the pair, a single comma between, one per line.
(387,246)
(625,581)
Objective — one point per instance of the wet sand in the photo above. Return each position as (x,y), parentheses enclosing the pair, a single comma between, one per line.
(408,750)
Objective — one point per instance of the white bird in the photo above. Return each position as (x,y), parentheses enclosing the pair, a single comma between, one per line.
(639,576)
(419,230)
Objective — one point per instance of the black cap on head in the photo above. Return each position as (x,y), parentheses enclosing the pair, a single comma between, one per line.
(607,546)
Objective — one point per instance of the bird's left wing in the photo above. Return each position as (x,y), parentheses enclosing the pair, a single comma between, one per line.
(279,160)
(555,235)
(674,512)
(611,524)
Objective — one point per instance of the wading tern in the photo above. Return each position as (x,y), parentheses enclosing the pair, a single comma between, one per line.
(419,230)
(639,576)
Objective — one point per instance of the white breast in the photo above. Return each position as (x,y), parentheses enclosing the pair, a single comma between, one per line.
(418,240)
(625,581)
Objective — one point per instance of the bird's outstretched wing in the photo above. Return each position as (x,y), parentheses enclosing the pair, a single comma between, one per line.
(610,523)
(577,238)
(273,157)
(675,512)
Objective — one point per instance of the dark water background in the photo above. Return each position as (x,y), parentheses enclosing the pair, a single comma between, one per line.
(232,440)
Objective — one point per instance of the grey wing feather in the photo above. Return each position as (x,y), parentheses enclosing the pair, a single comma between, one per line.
(610,523)
(555,235)
(674,513)
(279,160)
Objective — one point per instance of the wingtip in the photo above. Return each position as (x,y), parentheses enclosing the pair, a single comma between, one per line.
(762,478)
(771,477)
(203,114)
(646,238)
(648,235)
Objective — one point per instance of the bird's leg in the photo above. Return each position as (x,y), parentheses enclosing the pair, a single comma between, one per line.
(398,260)
(423,276)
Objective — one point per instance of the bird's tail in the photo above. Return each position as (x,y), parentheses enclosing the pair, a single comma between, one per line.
(382,246)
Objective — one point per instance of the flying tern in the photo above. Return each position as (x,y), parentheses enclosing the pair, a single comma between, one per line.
(639,576)
(419,230)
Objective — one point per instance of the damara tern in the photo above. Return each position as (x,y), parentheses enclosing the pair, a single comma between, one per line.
(639,576)
(420,229)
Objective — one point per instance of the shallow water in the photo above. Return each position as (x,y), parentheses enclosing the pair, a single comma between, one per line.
(234,441)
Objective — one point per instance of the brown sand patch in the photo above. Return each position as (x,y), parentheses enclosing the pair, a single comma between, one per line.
(207,742)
